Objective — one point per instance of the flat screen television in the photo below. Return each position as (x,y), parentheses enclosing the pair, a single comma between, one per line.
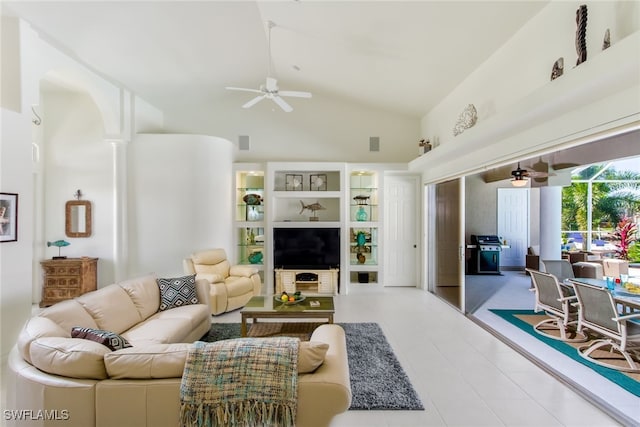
(306,248)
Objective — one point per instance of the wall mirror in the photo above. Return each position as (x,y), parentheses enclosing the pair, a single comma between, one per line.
(78,218)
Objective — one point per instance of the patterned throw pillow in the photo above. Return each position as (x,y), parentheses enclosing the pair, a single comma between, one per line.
(106,338)
(177,292)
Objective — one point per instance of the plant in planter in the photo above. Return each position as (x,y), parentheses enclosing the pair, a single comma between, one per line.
(626,233)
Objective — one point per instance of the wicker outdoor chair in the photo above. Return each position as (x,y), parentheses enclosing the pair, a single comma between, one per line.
(555,300)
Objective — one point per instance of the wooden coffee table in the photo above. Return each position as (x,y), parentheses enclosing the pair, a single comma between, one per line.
(266,307)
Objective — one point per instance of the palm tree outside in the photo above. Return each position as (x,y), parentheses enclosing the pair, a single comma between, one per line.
(606,201)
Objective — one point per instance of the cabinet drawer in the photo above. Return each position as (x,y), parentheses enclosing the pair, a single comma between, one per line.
(59,293)
(62,282)
(62,270)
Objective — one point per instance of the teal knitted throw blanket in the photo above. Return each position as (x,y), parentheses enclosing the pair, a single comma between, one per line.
(240,382)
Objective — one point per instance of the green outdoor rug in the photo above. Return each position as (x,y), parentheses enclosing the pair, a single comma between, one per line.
(378,382)
(526,319)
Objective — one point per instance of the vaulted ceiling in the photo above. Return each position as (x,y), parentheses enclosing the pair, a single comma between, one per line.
(403,57)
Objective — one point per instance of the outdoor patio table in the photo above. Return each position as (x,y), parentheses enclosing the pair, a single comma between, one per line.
(629,302)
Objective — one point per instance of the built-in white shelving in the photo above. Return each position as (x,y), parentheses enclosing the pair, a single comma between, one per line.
(249,217)
(288,192)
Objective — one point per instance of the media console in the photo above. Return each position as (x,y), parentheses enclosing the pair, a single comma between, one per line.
(315,281)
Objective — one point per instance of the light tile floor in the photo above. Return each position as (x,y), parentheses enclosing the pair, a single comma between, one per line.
(464,375)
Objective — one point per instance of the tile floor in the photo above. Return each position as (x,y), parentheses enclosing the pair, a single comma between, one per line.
(464,375)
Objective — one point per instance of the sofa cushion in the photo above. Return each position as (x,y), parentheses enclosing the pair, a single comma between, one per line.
(177,292)
(147,361)
(210,256)
(237,286)
(69,357)
(194,315)
(221,270)
(210,277)
(35,328)
(111,308)
(242,270)
(311,355)
(144,293)
(159,331)
(68,314)
(112,340)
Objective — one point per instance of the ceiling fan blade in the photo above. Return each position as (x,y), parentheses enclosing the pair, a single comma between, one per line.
(282,104)
(567,165)
(534,174)
(294,93)
(254,101)
(243,89)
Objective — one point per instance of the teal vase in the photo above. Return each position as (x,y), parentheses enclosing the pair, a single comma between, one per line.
(361,215)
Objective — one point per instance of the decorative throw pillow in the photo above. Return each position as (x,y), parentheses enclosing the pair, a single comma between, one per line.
(311,355)
(106,338)
(177,292)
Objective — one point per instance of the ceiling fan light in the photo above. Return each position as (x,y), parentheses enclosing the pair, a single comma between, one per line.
(519,182)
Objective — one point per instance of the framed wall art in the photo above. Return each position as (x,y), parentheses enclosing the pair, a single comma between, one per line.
(8,217)
(318,182)
(293,182)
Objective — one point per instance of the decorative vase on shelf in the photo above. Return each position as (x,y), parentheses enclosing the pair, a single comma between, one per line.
(361,239)
(361,214)
(361,258)
(255,258)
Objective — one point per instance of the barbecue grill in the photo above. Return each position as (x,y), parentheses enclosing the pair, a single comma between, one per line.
(485,254)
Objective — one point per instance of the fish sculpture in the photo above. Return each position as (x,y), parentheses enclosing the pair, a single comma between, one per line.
(313,207)
(59,244)
(252,199)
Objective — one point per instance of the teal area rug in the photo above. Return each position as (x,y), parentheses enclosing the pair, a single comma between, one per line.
(629,382)
(378,382)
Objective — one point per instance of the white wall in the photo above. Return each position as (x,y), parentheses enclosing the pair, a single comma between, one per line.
(15,177)
(324,129)
(26,60)
(180,200)
(523,65)
(15,257)
(77,157)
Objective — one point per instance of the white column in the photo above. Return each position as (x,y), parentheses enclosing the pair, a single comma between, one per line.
(120,216)
(550,222)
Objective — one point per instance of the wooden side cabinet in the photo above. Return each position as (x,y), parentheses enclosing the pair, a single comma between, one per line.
(68,278)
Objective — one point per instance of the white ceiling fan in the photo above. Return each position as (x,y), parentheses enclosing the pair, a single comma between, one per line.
(270,89)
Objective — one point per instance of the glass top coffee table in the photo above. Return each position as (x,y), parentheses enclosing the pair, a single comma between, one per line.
(267,307)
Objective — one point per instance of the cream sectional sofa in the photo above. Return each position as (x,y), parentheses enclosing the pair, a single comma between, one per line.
(59,380)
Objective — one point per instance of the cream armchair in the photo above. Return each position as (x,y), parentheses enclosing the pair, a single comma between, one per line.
(231,287)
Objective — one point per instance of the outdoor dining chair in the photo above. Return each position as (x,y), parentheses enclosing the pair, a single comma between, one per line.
(555,300)
(561,268)
(597,311)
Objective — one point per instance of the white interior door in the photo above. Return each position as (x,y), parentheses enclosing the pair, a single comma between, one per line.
(401,230)
(513,225)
